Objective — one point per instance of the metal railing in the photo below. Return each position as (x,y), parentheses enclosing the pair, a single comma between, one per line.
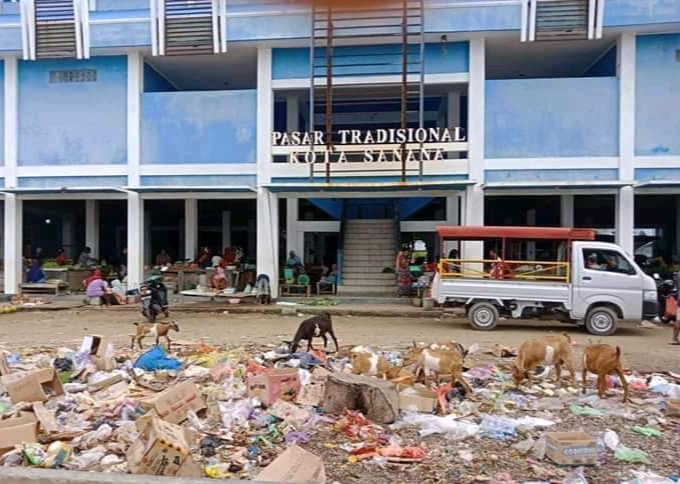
(500,269)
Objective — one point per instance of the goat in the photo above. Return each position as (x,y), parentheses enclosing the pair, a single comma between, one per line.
(553,350)
(154,330)
(439,362)
(318,326)
(603,360)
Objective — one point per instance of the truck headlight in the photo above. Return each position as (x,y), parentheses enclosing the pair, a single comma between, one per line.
(649,295)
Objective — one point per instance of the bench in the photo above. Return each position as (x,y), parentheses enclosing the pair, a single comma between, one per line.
(49,287)
(287,289)
(326,288)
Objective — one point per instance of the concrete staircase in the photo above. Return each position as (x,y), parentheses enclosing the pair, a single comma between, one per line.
(369,248)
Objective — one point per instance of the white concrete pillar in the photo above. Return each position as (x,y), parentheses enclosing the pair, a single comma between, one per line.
(135,88)
(476,109)
(267,237)
(190,228)
(292,112)
(625,218)
(474,216)
(11,118)
(626,55)
(265,115)
(14,215)
(453,205)
(92,226)
(567,210)
(294,238)
(135,240)
(226,229)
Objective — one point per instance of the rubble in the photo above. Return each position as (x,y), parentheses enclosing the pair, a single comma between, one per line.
(260,413)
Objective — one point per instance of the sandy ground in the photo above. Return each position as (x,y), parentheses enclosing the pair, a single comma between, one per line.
(644,349)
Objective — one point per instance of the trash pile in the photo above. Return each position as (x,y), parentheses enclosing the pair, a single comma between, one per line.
(268,415)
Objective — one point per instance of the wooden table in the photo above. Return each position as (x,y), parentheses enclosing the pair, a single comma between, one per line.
(286,289)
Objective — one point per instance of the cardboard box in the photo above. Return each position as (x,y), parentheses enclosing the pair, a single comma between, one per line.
(101,350)
(46,418)
(22,429)
(417,399)
(673,408)
(174,403)
(312,393)
(294,465)
(162,450)
(274,384)
(33,386)
(571,448)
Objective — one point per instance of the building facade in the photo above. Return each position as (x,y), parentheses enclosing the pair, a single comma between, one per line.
(142,125)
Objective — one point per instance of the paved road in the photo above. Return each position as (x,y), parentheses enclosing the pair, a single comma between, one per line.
(644,349)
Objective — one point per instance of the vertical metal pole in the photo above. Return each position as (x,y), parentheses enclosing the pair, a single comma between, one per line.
(312,74)
(329,90)
(404,84)
(421,107)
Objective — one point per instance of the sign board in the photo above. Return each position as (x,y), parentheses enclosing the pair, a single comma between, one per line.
(374,146)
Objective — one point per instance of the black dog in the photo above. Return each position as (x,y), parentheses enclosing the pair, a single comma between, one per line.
(318,326)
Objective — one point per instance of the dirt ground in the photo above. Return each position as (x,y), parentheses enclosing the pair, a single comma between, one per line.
(643,349)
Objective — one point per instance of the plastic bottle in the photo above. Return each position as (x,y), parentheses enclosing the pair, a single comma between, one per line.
(575,477)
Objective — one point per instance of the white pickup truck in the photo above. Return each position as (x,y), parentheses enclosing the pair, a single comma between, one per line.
(598,287)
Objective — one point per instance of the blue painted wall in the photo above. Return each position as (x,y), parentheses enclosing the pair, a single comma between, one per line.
(371,60)
(534,118)
(657,174)
(199,127)
(71,181)
(75,122)
(120,34)
(154,82)
(473,19)
(606,66)
(639,12)
(657,95)
(499,176)
(200,181)
(2,110)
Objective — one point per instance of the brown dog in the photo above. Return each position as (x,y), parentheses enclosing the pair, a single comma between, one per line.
(550,350)
(603,360)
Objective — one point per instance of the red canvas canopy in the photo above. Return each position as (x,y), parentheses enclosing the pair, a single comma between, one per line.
(529,233)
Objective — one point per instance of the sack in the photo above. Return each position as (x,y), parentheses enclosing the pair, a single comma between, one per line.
(671,308)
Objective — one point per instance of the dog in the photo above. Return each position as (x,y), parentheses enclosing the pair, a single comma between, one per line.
(315,327)
(154,330)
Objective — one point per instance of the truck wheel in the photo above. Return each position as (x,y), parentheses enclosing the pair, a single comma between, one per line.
(483,316)
(601,321)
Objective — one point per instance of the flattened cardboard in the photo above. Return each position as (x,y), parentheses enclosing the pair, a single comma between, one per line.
(312,394)
(4,365)
(48,422)
(33,386)
(294,465)
(571,448)
(101,351)
(112,392)
(18,430)
(673,408)
(174,403)
(105,383)
(162,450)
(417,399)
(275,384)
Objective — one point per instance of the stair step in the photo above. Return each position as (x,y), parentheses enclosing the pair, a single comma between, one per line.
(371,260)
(361,269)
(357,249)
(368,281)
(367,290)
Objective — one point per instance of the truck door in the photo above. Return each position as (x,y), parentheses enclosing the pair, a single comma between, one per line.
(606,275)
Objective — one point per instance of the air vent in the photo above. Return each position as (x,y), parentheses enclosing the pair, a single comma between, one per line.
(188,27)
(553,20)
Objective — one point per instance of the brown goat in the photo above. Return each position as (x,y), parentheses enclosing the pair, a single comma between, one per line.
(550,350)
(603,360)
(154,330)
(439,362)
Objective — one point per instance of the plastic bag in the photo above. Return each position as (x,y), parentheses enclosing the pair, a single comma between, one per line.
(99,436)
(449,426)
(236,414)
(498,428)
(647,431)
(631,456)
(575,477)
(645,477)
(611,439)
(156,359)
(580,410)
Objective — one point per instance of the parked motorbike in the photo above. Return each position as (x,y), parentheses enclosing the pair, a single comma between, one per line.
(667,294)
(154,297)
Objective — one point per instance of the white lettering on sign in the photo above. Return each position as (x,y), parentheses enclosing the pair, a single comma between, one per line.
(376,146)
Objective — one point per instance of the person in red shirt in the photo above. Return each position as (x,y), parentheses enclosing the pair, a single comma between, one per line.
(97,274)
(61,257)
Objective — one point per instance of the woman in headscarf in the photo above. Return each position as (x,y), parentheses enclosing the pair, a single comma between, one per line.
(35,273)
(96,274)
(403,273)
(118,291)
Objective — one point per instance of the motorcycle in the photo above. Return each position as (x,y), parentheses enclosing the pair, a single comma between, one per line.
(154,297)
(667,294)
